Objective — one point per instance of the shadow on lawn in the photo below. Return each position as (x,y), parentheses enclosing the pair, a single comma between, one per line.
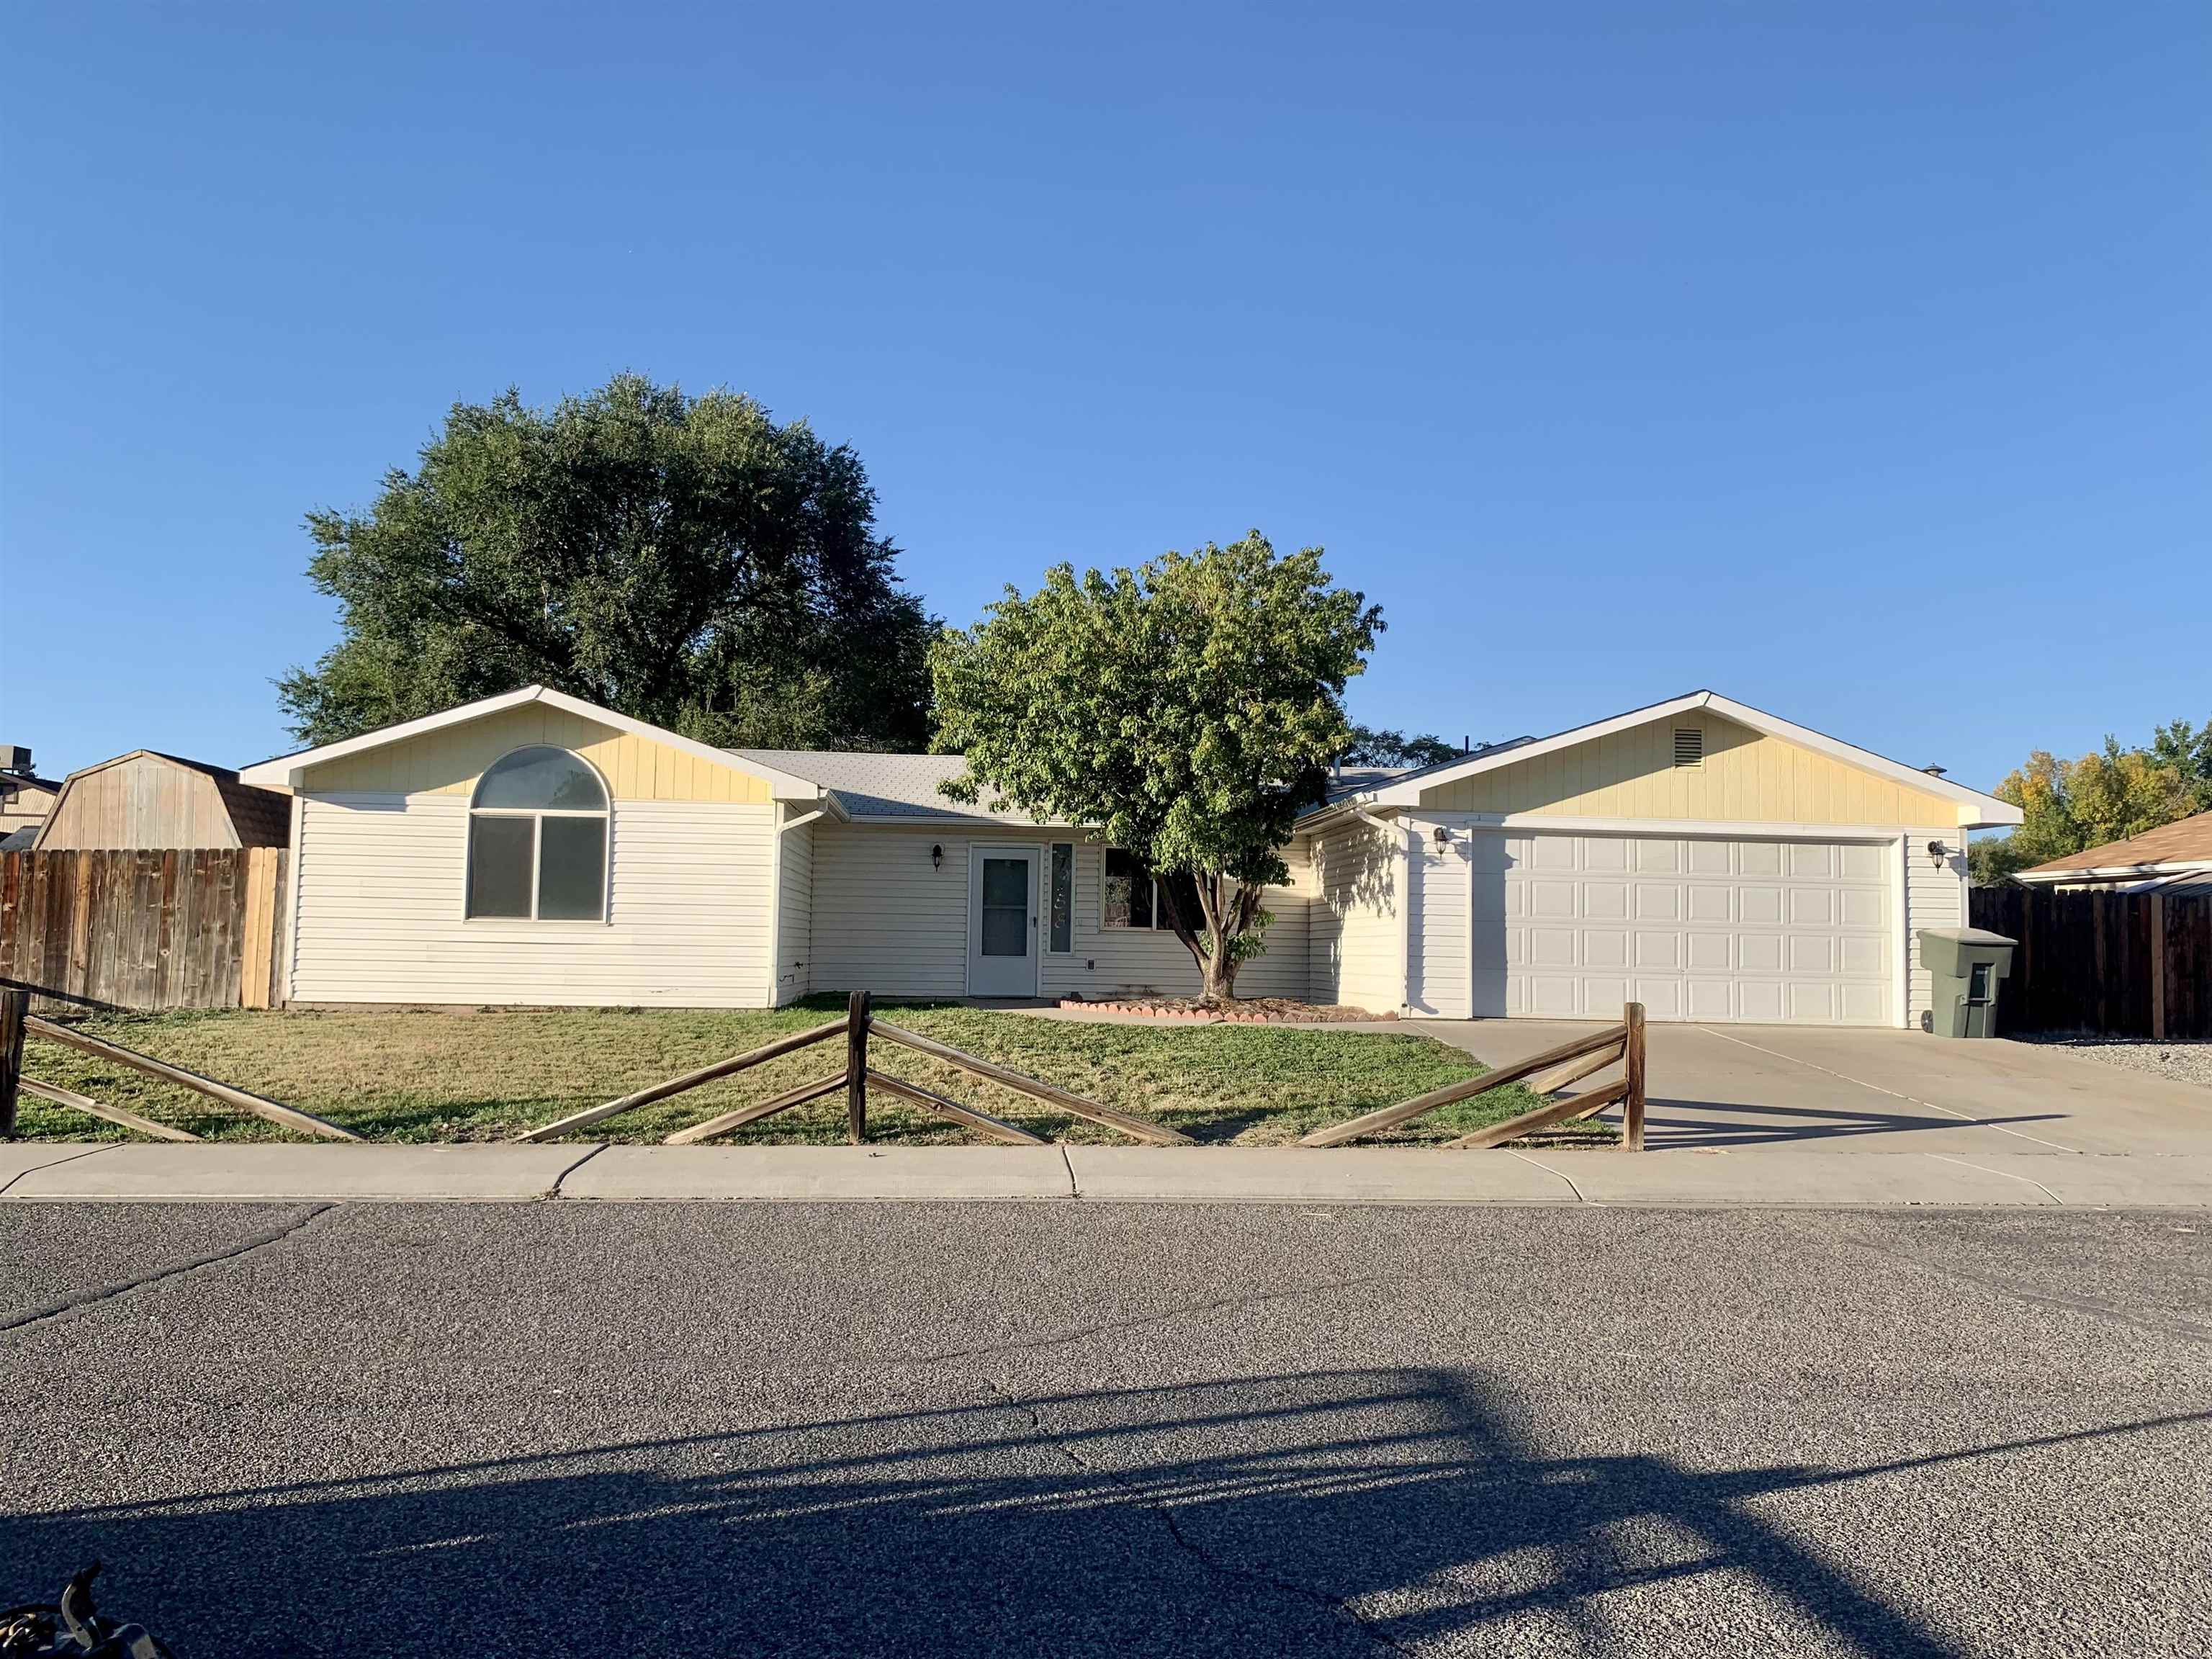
(1330,1512)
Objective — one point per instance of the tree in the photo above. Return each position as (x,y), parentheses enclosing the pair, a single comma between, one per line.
(1185,712)
(684,560)
(1378,746)
(2106,796)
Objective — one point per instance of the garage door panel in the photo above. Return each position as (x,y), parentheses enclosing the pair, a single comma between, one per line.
(1865,863)
(1811,953)
(1552,947)
(1550,900)
(1759,858)
(1709,857)
(1710,903)
(1711,998)
(1605,901)
(1812,907)
(1862,906)
(1695,927)
(1811,861)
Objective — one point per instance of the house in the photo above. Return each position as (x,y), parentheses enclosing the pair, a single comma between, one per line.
(25,797)
(144,801)
(1698,855)
(2175,858)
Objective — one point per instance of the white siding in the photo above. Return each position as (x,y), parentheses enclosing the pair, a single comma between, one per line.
(1438,968)
(1934,896)
(885,920)
(794,932)
(381,896)
(1358,938)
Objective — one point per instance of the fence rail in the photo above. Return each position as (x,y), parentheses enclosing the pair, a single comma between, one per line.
(1618,1045)
(144,931)
(2113,964)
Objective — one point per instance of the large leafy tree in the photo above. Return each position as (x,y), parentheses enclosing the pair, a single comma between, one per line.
(1184,711)
(1380,746)
(2108,795)
(684,560)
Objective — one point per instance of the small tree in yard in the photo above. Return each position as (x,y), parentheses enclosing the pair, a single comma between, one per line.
(1185,712)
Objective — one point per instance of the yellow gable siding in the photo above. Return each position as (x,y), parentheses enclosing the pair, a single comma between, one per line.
(1748,777)
(449,761)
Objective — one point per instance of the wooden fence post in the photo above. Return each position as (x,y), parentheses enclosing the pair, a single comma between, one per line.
(2158,967)
(14,1005)
(1631,1128)
(856,1066)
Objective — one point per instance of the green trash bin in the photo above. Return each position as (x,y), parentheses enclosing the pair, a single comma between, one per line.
(1966,966)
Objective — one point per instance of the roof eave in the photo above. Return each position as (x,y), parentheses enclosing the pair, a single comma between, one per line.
(287,771)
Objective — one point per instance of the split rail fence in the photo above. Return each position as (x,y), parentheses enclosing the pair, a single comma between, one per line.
(1621,1045)
(1554,1069)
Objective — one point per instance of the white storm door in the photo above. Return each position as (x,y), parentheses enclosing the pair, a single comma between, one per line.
(1002,921)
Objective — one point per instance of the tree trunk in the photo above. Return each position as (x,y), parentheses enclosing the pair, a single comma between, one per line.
(1219,973)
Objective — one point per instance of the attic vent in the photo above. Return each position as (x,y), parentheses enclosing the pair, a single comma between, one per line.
(1689,745)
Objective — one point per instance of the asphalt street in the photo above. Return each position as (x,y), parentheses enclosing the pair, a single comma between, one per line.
(1086,1428)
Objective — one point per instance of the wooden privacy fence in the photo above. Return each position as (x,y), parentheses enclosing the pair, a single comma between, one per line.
(2117,964)
(144,931)
(855,1078)
(1618,1045)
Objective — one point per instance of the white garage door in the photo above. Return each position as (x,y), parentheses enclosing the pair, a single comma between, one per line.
(1692,928)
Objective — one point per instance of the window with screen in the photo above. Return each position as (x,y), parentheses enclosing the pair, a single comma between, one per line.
(537,840)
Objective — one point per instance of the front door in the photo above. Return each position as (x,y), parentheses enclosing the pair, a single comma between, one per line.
(1002,921)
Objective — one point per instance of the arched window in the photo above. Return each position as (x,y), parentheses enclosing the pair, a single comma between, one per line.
(538,839)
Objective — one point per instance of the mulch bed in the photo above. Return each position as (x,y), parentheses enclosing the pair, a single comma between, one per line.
(1249,1010)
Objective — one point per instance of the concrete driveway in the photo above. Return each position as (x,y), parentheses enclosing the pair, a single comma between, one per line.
(1820,1088)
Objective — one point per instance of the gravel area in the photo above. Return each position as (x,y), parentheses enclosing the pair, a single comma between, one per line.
(2179,1062)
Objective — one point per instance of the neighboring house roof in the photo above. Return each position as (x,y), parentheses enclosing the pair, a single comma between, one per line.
(283,771)
(1977,810)
(875,787)
(2184,847)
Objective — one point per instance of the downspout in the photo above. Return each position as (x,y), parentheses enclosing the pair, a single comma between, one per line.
(1407,836)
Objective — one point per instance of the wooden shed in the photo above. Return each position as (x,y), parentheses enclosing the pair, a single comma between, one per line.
(149,802)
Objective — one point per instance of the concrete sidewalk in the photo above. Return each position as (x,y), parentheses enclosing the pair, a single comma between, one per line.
(1766,1177)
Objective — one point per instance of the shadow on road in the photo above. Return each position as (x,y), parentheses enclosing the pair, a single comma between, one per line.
(1332,1512)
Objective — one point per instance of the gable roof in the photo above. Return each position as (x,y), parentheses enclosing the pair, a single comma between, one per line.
(2183,845)
(284,771)
(874,787)
(1978,811)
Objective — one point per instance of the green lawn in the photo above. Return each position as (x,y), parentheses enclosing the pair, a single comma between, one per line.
(487,1074)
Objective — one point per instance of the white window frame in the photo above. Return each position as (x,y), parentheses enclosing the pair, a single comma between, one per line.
(606,815)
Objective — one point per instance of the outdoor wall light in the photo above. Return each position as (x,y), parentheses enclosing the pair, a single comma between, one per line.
(1937,851)
(936,855)
(1443,837)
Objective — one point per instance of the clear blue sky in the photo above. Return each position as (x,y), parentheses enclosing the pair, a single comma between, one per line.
(1786,349)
